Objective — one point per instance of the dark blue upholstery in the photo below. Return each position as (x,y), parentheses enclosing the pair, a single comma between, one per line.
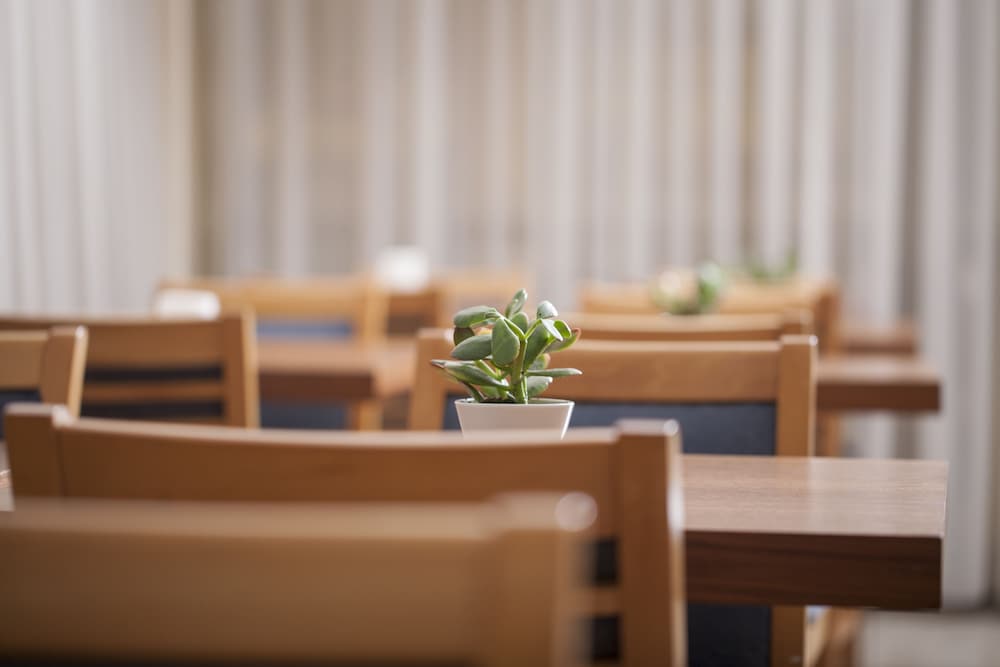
(154,410)
(308,329)
(303,415)
(16,396)
(707,428)
(718,635)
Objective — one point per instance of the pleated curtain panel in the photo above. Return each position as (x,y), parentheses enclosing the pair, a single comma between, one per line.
(581,139)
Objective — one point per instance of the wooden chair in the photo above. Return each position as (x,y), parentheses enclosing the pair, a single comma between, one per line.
(690,328)
(628,471)
(729,397)
(42,365)
(142,368)
(350,307)
(818,297)
(450,291)
(488,584)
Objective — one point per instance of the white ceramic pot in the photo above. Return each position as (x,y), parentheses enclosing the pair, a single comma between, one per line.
(541,414)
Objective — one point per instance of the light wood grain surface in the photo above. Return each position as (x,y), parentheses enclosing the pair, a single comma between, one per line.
(767,530)
(336,370)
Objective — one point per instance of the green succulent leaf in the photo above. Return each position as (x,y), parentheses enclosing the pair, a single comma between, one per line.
(492,393)
(505,343)
(552,330)
(468,372)
(566,342)
(564,329)
(477,395)
(470,317)
(516,304)
(538,340)
(554,372)
(546,310)
(538,364)
(462,333)
(536,385)
(471,349)
(521,321)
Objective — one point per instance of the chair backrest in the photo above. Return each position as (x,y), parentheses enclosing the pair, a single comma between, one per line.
(42,365)
(449,291)
(49,362)
(348,306)
(660,327)
(489,583)
(143,368)
(819,297)
(779,372)
(628,471)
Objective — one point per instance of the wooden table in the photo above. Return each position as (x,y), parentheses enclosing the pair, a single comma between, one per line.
(877,382)
(800,531)
(847,532)
(323,370)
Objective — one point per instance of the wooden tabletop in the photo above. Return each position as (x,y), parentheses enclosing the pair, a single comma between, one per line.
(843,532)
(765,530)
(324,370)
(877,382)
(899,338)
(331,370)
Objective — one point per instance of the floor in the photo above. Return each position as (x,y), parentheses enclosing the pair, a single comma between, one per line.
(930,640)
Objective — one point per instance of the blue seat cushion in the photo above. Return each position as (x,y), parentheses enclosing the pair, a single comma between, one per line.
(8,397)
(303,415)
(706,428)
(306,329)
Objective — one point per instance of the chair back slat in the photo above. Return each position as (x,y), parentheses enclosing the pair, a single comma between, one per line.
(484,584)
(691,328)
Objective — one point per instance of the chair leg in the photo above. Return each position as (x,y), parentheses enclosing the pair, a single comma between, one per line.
(788,636)
(841,648)
(365,416)
(828,434)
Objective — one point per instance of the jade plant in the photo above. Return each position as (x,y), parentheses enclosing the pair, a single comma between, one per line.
(689,292)
(503,357)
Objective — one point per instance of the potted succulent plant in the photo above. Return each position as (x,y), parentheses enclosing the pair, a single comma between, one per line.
(502,360)
(689,292)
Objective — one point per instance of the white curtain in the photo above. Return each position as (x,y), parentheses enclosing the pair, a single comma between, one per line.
(93,188)
(583,139)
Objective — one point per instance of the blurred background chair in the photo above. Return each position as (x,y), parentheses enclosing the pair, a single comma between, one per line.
(45,366)
(146,368)
(352,308)
(488,584)
(677,328)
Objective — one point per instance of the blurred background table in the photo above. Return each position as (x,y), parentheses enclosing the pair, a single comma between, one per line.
(334,370)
